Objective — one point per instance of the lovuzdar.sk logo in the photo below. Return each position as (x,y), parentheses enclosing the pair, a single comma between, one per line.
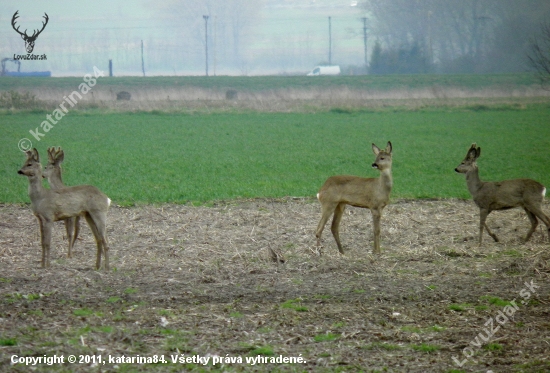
(29,39)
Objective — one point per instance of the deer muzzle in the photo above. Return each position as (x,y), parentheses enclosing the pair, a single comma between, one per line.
(374,165)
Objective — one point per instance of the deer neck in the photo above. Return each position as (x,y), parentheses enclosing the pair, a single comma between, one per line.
(473,181)
(386,180)
(36,189)
(55,181)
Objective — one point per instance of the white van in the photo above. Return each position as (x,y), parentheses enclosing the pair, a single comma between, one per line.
(325,70)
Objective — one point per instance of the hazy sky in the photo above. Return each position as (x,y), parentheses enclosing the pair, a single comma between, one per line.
(257,37)
(80,35)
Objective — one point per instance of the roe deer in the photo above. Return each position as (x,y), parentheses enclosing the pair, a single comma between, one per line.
(502,195)
(53,205)
(52,172)
(371,193)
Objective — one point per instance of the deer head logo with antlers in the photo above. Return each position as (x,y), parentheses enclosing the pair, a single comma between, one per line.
(29,40)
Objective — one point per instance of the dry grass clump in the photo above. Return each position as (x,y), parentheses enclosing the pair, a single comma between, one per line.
(18,100)
(290,99)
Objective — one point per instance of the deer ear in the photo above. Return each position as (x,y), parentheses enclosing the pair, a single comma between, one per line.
(478,152)
(375,149)
(35,155)
(50,155)
(472,151)
(60,156)
(388,148)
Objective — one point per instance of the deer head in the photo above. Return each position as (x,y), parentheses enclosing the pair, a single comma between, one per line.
(52,171)
(383,157)
(32,165)
(29,40)
(469,162)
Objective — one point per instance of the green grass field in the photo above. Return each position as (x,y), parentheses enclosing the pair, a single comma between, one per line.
(263,83)
(157,158)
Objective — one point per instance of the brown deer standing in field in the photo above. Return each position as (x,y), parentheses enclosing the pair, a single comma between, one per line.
(371,193)
(53,205)
(52,172)
(502,195)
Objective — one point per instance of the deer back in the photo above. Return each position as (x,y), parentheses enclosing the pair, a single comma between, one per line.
(509,194)
(69,202)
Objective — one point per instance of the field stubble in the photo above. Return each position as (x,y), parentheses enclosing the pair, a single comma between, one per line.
(199,280)
(290,99)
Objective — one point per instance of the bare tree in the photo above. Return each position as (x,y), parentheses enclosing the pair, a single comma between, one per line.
(447,28)
(540,55)
(457,35)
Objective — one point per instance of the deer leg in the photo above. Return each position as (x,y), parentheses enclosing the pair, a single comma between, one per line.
(69,227)
(99,219)
(46,239)
(95,232)
(541,215)
(327,210)
(494,236)
(483,213)
(338,212)
(103,234)
(376,216)
(76,228)
(41,226)
(534,223)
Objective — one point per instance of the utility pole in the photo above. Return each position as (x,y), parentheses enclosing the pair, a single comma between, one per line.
(142,63)
(329,41)
(430,37)
(206,40)
(215,42)
(365,40)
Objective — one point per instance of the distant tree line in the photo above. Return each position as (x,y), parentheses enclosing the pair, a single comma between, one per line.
(448,36)
(540,55)
(410,59)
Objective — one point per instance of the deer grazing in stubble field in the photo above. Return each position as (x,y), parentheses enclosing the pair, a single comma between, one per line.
(52,172)
(53,205)
(502,195)
(371,193)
